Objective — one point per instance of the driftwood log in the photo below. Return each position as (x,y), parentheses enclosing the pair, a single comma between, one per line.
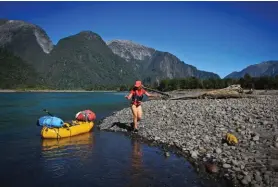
(222,94)
(233,91)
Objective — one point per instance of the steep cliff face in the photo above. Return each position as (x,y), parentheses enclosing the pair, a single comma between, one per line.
(25,40)
(267,68)
(130,51)
(165,65)
(155,65)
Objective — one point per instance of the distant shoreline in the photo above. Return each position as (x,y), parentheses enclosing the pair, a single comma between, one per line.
(57,91)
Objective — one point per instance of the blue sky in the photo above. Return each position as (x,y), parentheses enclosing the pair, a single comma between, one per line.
(220,37)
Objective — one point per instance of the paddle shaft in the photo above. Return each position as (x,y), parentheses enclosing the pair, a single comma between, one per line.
(162,93)
(47,112)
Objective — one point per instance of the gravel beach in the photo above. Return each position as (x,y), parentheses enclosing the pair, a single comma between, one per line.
(197,128)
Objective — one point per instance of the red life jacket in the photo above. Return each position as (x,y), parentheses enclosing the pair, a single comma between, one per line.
(137,96)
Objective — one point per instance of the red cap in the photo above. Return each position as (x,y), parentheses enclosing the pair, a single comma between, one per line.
(138,83)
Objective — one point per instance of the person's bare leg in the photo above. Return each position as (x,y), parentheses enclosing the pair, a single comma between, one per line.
(139,113)
(134,112)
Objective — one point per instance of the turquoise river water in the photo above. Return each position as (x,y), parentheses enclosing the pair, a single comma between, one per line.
(93,159)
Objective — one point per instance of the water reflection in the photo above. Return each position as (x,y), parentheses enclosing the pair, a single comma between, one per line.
(136,158)
(65,154)
(75,141)
(136,163)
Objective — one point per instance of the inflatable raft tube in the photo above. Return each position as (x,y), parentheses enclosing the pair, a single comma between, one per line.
(67,130)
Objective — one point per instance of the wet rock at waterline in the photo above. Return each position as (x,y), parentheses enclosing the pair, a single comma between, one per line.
(211,167)
(198,127)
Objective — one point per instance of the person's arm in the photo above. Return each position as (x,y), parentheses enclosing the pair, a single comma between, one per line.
(151,95)
(148,94)
(129,95)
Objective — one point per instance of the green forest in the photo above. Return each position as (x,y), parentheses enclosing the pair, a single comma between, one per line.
(247,82)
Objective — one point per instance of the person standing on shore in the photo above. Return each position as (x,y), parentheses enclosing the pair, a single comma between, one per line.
(137,94)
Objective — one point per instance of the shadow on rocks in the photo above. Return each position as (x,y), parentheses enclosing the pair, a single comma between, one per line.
(126,126)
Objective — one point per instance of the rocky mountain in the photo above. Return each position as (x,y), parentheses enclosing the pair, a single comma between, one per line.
(267,68)
(26,40)
(80,61)
(83,61)
(154,65)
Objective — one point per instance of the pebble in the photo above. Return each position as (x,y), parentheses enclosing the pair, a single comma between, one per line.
(226,166)
(258,178)
(202,150)
(198,127)
(266,178)
(167,154)
(236,169)
(156,138)
(239,177)
(244,181)
(194,154)
(248,178)
(265,123)
(255,185)
(212,168)
(206,138)
(256,138)
(235,162)
(218,151)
